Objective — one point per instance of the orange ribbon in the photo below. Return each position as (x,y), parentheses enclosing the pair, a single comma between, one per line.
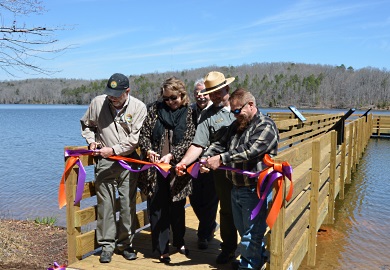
(61,190)
(73,158)
(164,166)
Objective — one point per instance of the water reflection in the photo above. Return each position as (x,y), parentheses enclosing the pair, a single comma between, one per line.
(359,238)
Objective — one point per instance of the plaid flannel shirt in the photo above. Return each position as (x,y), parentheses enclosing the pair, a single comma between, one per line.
(246,150)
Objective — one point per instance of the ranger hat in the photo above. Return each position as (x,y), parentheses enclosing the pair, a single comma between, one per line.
(214,81)
(116,85)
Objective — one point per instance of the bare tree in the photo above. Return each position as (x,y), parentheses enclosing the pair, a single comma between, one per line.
(21,46)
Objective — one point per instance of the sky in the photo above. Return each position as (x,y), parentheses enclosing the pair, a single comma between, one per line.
(138,37)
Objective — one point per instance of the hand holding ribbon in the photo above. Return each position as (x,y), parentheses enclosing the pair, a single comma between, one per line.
(74,159)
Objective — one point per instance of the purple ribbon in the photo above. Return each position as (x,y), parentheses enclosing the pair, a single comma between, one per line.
(80,182)
(56,266)
(272,176)
(271,179)
(144,168)
(195,170)
(247,173)
(82,174)
(77,152)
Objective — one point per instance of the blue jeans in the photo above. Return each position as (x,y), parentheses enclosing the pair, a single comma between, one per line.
(244,200)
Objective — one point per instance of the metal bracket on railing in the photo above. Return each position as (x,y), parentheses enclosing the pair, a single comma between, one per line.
(339,126)
(366,113)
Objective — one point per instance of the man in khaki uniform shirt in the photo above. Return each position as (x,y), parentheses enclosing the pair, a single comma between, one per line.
(111,126)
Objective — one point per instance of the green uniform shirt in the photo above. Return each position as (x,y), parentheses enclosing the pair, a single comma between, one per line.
(212,125)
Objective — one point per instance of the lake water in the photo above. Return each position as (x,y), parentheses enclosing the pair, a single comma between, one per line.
(33,138)
(32,157)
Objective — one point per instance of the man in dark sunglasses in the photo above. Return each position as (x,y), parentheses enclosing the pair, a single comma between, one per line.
(243,147)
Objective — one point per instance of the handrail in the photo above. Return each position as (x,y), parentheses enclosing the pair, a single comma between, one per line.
(82,242)
(321,168)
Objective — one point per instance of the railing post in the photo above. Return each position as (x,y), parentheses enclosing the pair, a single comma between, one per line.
(355,145)
(332,178)
(72,231)
(343,166)
(370,127)
(277,238)
(360,139)
(350,153)
(314,194)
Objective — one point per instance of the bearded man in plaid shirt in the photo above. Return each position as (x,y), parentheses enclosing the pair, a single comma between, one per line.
(248,139)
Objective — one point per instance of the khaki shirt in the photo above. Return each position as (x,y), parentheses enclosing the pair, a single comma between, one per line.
(102,123)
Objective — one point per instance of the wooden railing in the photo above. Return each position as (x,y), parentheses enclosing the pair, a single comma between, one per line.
(293,131)
(321,168)
(81,239)
(381,126)
(277,116)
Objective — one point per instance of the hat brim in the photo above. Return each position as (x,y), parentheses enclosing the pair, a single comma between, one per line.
(227,82)
(112,92)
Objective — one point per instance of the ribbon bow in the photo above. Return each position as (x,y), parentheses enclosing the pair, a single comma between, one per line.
(275,172)
(80,181)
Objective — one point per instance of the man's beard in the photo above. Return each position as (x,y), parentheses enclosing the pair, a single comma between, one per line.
(243,122)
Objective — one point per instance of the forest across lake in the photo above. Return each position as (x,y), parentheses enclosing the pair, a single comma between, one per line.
(273,85)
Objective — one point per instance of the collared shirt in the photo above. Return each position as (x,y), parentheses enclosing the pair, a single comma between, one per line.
(197,111)
(213,123)
(103,124)
(246,150)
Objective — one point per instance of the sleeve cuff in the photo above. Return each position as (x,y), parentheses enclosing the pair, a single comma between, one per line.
(225,158)
(117,149)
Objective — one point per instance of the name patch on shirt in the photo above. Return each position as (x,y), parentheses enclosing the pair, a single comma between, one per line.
(219,120)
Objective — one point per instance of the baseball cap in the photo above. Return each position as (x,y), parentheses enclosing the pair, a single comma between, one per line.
(116,85)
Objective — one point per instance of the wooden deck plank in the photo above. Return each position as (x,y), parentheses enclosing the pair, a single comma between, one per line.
(197,259)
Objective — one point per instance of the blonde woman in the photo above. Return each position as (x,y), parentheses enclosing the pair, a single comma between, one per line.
(166,134)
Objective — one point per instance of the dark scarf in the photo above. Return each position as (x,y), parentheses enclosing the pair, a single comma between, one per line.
(171,120)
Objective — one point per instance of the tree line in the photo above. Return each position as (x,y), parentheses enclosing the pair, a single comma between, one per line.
(273,85)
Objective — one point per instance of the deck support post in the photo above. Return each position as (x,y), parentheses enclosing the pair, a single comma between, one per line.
(332,178)
(71,229)
(314,195)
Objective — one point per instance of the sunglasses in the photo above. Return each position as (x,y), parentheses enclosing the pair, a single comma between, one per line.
(238,111)
(172,98)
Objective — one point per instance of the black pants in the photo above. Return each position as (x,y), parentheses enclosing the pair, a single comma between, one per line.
(163,214)
(223,186)
(204,201)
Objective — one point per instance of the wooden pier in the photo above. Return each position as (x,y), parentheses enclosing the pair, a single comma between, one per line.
(323,154)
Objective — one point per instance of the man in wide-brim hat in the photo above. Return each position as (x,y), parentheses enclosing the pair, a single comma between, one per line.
(214,81)
(213,123)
